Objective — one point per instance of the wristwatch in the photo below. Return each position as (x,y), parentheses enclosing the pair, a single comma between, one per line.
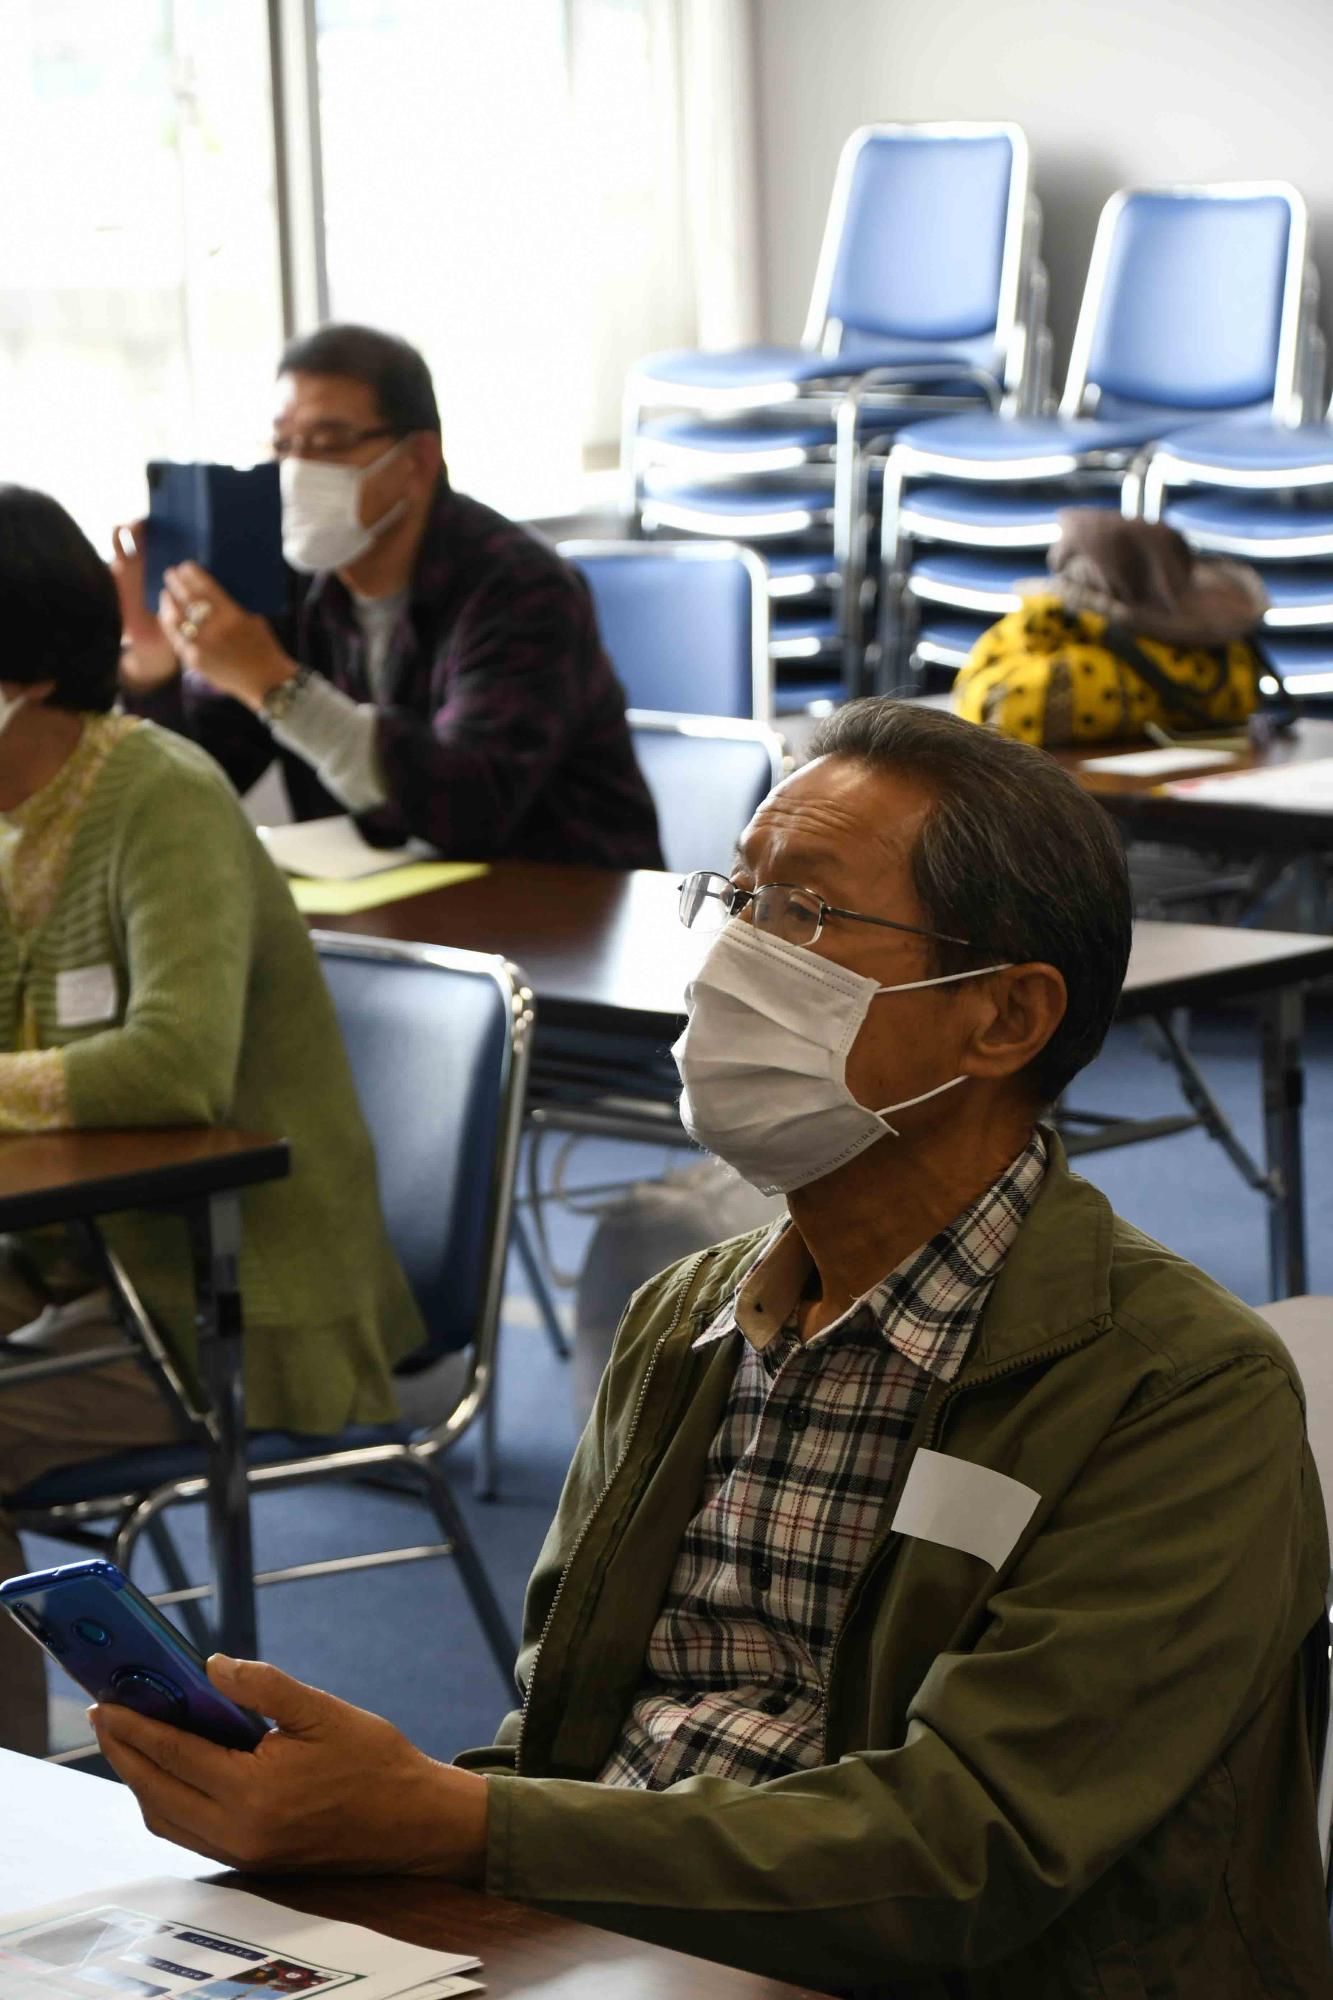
(277,703)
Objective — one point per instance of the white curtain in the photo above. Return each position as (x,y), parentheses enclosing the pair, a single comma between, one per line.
(720,164)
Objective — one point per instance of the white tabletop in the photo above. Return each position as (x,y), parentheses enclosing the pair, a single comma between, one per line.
(63,1833)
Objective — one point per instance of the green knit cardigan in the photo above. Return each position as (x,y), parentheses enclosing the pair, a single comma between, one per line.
(223,1018)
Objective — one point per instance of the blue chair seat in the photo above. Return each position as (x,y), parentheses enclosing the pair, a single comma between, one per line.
(154,1465)
(1302,658)
(797,573)
(947,641)
(794,697)
(804,638)
(1028,442)
(995,516)
(738,512)
(971,580)
(744,439)
(1253,525)
(769,368)
(1299,596)
(1254,447)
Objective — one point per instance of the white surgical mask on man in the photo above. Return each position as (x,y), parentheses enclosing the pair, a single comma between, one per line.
(321,511)
(763,1059)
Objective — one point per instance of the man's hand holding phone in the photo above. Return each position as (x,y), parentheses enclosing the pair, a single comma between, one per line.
(232,648)
(330,1788)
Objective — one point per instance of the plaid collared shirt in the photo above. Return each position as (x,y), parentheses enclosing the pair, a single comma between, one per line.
(793,1492)
(501,727)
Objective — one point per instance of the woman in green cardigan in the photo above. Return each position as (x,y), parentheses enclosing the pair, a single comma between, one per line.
(154,971)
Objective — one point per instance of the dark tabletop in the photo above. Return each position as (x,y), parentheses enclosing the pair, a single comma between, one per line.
(606,951)
(523,1952)
(59,1176)
(1148,811)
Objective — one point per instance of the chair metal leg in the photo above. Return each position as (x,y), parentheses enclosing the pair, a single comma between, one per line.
(486,1477)
(491,1618)
(160,1540)
(541,1291)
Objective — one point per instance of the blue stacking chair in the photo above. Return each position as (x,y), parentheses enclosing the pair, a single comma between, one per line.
(925,287)
(1198,302)
(439,1043)
(707,776)
(1262,493)
(685,624)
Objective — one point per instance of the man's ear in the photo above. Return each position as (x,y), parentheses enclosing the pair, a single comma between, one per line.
(426,456)
(1026,1006)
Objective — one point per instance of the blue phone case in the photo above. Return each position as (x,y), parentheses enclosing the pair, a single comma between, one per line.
(226,519)
(119,1648)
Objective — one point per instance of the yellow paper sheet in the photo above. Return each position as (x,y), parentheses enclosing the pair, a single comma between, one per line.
(344,899)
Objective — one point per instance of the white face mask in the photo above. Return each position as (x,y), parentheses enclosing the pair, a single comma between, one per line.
(321,512)
(763,1059)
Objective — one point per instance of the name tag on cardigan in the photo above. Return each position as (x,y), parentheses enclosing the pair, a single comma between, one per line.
(964,1506)
(86,996)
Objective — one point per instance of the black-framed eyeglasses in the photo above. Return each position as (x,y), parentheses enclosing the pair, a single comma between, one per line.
(329,441)
(781,909)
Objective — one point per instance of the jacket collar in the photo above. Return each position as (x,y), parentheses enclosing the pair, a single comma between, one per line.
(1055,1281)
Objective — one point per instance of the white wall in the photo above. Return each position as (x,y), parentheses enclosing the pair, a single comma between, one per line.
(1110,93)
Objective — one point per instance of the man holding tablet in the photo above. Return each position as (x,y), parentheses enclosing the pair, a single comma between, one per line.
(935,1605)
(441,675)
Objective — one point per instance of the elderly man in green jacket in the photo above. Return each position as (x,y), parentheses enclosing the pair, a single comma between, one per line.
(935,1606)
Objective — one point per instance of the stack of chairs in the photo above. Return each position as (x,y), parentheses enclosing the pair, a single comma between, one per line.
(927,296)
(1199,303)
(1263,494)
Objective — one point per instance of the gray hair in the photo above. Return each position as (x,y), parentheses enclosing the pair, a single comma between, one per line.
(1012,855)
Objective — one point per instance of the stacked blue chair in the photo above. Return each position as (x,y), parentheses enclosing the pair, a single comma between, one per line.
(439,1043)
(1199,302)
(1263,494)
(685,624)
(927,277)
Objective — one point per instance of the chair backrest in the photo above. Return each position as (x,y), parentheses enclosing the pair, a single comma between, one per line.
(439,1043)
(706,776)
(1305,1327)
(924,238)
(685,624)
(1193,301)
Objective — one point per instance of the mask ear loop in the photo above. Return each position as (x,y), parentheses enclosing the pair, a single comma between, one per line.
(915,986)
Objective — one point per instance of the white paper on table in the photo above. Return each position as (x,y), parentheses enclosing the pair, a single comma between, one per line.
(1158,763)
(332,850)
(1284,787)
(163,1940)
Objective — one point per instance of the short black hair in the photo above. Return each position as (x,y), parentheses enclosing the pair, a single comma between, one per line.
(393,371)
(59,610)
(1012,854)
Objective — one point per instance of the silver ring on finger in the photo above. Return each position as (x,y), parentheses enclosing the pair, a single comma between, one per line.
(189,629)
(198,612)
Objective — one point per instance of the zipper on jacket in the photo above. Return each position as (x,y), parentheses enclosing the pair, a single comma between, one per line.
(926,1443)
(596,1509)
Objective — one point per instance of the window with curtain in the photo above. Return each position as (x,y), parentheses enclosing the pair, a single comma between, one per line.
(140,310)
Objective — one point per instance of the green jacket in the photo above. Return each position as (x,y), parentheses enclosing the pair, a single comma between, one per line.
(1088,1773)
(222,1017)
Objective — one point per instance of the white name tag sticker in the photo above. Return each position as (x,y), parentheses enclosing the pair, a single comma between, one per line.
(964,1506)
(86,996)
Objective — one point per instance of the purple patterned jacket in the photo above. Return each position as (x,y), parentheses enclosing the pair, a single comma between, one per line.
(506,732)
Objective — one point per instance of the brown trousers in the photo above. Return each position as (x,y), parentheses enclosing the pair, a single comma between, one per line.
(53,1423)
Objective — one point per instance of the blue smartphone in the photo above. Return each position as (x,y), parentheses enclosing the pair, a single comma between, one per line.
(119,1648)
(227,519)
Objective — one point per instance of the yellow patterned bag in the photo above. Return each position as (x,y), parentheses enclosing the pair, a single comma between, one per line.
(1064,678)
